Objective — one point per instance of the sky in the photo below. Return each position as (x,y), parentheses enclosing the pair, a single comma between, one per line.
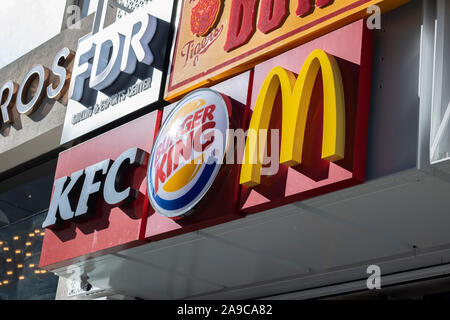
(25,24)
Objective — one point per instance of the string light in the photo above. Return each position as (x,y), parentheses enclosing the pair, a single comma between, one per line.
(14,272)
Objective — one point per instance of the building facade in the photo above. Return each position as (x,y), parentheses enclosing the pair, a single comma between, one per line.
(229,150)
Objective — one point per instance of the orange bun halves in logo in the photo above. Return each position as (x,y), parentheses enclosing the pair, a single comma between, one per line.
(188,152)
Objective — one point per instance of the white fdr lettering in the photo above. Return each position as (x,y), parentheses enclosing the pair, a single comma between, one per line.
(82,68)
(136,43)
(103,56)
(106,66)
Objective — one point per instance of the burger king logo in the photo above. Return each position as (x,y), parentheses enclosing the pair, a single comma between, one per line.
(188,153)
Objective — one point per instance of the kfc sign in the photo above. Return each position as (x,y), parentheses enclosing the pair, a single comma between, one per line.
(105,177)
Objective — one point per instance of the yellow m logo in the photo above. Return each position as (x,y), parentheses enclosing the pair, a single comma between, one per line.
(296,96)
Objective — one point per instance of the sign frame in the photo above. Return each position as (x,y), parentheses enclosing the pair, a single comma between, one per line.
(249,54)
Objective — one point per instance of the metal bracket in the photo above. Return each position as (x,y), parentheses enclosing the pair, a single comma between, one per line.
(120,6)
(438,121)
(440,132)
(426,75)
(100,13)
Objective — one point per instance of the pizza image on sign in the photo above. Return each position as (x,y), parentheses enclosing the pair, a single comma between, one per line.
(204,16)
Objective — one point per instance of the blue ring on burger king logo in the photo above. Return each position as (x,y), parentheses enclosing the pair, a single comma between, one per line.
(176,182)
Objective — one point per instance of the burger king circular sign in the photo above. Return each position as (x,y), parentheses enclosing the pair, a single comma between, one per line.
(188,153)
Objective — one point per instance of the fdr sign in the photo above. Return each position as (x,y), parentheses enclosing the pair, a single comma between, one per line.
(118,70)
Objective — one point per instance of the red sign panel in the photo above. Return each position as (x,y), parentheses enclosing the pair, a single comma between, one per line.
(352,47)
